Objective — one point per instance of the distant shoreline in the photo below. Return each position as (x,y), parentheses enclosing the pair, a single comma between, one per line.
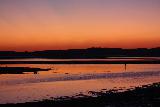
(88,53)
(84,62)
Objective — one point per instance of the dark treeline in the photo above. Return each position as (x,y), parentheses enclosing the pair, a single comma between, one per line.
(84,53)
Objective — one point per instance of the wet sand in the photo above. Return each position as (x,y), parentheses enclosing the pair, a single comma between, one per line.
(142,96)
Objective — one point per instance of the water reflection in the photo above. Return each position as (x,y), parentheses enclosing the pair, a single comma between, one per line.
(71,79)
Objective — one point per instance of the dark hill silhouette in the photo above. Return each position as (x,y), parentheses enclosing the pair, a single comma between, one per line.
(83,53)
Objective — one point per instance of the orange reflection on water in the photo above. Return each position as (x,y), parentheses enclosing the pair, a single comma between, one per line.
(70,80)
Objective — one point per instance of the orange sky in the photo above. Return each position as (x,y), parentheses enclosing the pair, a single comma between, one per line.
(57,24)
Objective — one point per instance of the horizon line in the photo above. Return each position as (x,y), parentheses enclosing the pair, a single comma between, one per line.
(77,49)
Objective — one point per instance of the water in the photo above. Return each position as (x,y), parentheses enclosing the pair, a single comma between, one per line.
(72,79)
(108,59)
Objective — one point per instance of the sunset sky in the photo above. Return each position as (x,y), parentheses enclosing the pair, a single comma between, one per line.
(63,24)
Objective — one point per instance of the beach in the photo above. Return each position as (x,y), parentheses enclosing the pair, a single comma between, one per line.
(80,84)
(142,96)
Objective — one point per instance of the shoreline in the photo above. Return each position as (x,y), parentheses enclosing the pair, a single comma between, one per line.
(83,62)
(142,96)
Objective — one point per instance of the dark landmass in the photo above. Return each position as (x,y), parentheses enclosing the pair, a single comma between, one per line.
(143,61)
(20,70)
(89,53)
(144,96)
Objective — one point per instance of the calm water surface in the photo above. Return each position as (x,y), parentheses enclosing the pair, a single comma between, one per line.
(70,80)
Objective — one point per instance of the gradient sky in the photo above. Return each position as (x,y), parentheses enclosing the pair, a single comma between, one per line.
(62,24)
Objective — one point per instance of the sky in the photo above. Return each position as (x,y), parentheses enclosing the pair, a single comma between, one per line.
(29,25)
